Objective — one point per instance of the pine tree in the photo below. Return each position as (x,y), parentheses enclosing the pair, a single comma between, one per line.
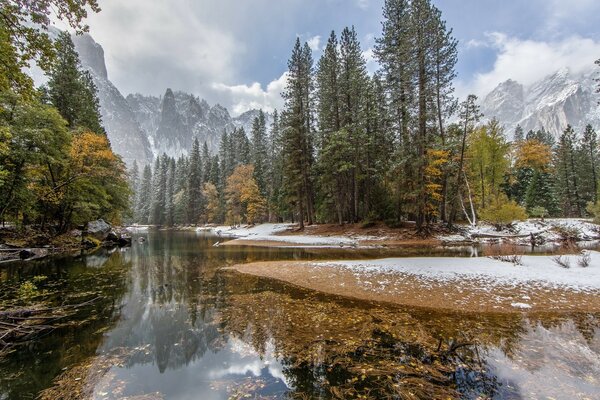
(567,181)
(170,193)
(206,163)
(194,184)
(589,158)
(71,91)
(297,132)
(145,197)
(134,184)
(259,152)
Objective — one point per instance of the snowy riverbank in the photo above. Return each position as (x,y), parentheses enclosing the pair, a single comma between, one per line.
(549,230)
(467,284)
(534,270)
(282,235)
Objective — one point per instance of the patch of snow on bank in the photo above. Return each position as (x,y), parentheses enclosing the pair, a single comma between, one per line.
(269,232)
(585,228)
(541,270)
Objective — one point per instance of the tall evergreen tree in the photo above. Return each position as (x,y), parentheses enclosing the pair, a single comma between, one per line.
(72,91)
(259,152)
(297,132)
(567,180)
(589,158)
(142,212)
(194,184)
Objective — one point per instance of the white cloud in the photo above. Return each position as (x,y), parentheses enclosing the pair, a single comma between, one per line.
(314,43)
(364,4)
(253,96)
(164,42)
(528,61)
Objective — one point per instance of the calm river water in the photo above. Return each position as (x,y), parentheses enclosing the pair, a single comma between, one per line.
(171,323)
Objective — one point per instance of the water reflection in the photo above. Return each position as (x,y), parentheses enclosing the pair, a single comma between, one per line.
(176,325)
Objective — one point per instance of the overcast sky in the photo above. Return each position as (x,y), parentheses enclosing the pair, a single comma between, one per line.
(235,51)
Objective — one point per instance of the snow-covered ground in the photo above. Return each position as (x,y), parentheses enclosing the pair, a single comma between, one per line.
(269,232)
(536,270)
(549,230)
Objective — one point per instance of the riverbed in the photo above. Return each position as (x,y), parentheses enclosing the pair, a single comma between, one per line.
(175,322)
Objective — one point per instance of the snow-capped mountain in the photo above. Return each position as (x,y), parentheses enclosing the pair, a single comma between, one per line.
(552,103)
(174,120)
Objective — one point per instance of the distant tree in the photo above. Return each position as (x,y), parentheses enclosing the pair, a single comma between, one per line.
(589,159)
(244,202)
(260,158)
(194,184)
(142,212)
(567,181)
(213,203)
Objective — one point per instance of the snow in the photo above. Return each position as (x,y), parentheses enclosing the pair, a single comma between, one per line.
(537,270)
(269,232)
(523,306)
(585,229)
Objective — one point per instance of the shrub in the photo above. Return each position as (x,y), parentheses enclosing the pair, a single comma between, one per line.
(538,212)
(584,260)
(594,210)
(505,252)
(562,261)
(567,234)
(502,213)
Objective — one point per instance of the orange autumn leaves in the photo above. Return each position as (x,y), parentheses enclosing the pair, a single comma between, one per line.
(533,154)
(243,198)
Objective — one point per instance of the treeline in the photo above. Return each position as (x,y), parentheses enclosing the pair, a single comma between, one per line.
(392,146)
(242,183)
(57,168)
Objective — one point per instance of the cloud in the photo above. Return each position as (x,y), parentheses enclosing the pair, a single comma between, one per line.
(364,4)
(245,97)
(314,43)
(372,64)
(164,42)
(528,61)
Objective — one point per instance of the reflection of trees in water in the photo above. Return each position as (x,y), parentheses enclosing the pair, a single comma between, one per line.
(178,306)
(342,348)
(25,372)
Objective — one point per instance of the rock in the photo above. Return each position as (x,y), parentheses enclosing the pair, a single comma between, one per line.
(98,229)
(26,254)
(124,241)
(112,237)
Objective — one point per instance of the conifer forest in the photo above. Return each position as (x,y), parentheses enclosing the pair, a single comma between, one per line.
(299,199)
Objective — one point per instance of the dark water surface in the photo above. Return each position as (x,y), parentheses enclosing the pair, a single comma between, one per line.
(170,323)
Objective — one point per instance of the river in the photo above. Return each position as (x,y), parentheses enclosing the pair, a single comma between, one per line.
(172,323)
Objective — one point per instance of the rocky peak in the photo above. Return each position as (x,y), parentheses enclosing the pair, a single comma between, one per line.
(555,101)
(91,54)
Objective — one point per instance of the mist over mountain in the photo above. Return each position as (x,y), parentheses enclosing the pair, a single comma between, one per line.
(555,101)
(141,127)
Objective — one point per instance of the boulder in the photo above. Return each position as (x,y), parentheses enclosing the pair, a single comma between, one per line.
(98,229)
(112,237)
(26,254)
(124,241)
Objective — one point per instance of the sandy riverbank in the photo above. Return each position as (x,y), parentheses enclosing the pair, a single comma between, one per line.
(468,284)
